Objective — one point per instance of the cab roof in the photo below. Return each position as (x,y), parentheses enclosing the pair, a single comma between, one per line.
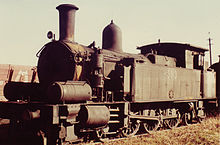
(166,45)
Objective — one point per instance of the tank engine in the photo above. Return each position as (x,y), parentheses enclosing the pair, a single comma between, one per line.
(86,92)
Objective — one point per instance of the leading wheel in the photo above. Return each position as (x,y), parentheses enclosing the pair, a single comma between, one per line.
(151,125)
(132,128)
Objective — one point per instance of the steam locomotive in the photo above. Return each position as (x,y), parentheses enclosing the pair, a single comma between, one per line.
(85,92)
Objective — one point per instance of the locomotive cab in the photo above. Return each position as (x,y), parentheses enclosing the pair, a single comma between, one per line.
(186,56)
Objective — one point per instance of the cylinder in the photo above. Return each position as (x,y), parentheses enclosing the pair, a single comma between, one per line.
(94,116)
(69,92)
(67,21)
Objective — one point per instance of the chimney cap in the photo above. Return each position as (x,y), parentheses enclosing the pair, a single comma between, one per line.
(66,7)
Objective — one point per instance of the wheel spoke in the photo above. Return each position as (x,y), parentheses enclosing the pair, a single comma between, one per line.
(151,125)
(99,133)
(131,130)
(172,123)
(187,118)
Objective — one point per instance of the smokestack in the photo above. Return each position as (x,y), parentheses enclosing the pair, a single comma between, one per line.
(67,21)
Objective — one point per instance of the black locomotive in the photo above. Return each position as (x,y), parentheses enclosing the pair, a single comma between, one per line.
(85,92)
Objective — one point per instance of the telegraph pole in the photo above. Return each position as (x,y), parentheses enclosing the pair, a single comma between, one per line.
(210,49)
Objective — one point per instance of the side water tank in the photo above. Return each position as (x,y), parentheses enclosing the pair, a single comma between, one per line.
(112,38)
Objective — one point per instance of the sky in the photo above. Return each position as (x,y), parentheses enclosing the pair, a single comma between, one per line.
(24,24)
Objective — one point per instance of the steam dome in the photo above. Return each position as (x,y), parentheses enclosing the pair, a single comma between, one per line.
(112,38)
